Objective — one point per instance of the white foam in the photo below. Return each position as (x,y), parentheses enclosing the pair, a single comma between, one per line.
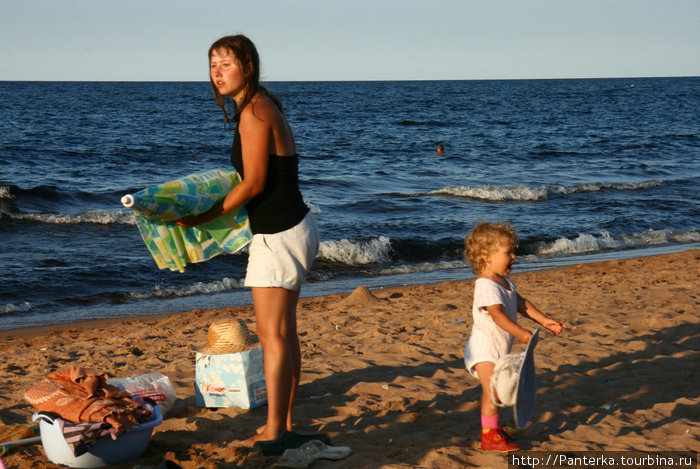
(99,217)
(200,288)
(582,243)
(16,308)
(528,193)
(587,243)
(599,186)
(356,252)
(424,267)
(5,193)
(315,209)
(494,193)
(656,237)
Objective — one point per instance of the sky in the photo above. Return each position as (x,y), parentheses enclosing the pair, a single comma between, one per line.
(319,40)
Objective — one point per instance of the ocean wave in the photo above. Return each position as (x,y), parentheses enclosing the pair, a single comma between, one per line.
(495,193)
(47,197)
(99,217)
(6,192)
(424,267)
(599,186)
(529,193)
(200,288)
(16,308)
(45,192)
(315,209)
(654,237)
(604,241)
(356,252)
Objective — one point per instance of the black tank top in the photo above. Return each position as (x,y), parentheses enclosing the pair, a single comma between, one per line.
(280,205)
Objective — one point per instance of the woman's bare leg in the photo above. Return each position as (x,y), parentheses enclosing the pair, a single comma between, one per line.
(275,313)
(295,351)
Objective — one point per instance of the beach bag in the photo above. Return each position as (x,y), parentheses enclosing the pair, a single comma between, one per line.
(504,382)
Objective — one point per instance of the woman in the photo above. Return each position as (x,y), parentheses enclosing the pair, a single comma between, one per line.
(285,236)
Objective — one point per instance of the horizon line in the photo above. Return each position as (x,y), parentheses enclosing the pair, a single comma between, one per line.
(359,80)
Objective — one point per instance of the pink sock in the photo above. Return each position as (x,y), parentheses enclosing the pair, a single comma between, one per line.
(489,422)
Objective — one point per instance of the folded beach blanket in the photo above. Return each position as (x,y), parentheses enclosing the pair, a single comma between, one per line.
(82,395)
(158,207)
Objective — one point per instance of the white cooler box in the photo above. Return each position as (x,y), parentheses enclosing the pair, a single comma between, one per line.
(230,380)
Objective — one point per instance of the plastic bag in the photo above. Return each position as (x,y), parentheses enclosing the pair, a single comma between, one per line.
(155,386)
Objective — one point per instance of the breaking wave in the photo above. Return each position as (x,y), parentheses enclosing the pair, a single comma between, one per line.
(604,241)
(16,308)
(356,252)
(200,288)
(495,193)
(99,217)
(528,193)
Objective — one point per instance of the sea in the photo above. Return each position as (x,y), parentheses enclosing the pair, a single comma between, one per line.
(585,169)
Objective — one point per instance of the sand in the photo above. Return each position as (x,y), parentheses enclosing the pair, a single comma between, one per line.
(383,370)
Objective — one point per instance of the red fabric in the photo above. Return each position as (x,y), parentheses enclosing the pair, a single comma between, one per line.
(82,395)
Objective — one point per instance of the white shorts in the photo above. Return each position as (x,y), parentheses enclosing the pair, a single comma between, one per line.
(283,259)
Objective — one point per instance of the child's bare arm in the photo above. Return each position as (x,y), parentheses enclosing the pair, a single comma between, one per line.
(504,322)
(529,310)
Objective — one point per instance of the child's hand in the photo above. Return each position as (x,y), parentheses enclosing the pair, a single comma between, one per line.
(554,326)
(525,336)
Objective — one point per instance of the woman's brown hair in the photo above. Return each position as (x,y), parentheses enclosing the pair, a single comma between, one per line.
(246,53)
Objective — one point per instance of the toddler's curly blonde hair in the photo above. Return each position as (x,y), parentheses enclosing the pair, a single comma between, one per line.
(484,240)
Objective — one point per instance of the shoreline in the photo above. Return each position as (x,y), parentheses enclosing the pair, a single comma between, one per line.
(382,370)
(242,297)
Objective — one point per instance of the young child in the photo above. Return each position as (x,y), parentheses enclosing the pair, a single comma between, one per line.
(490,250)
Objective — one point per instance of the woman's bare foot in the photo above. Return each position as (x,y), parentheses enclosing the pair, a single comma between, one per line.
(262,429)
(260,435)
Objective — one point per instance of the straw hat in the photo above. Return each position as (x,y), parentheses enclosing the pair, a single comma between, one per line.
(229,336)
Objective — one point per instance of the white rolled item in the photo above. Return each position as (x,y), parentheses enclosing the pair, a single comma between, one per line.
(128,201)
